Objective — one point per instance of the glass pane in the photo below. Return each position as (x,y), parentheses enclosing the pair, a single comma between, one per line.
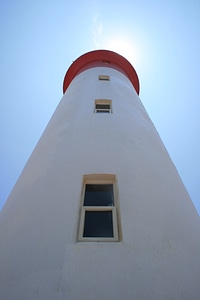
(104,77)
(102,106)
(102,111)
(99,195)
(98,224)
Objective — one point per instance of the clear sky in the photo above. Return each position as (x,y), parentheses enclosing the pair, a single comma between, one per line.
(40,39)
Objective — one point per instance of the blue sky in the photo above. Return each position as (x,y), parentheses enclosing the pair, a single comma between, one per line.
(40,39)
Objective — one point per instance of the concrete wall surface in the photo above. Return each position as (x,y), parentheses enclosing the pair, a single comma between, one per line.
(158,254)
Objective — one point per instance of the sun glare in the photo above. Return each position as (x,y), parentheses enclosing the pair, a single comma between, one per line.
(124,48)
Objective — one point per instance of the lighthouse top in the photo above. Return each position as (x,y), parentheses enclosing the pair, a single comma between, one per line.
(101,58)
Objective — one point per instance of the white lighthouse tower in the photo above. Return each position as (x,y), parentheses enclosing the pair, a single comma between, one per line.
(99,211)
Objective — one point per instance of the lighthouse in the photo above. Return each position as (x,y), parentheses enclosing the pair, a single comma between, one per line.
(99,211)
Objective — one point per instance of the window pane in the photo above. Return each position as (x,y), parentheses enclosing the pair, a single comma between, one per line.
(99,195)
(102,111)
(98,224)
(102,106)
(104,77)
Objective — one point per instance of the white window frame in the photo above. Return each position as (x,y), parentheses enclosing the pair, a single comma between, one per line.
(104,77)
(99,179)
(103,102)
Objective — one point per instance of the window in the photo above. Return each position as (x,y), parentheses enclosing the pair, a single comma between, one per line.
(104,77)
(98,217)
(103,106)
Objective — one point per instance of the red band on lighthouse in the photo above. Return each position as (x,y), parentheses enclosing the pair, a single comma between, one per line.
(101,58)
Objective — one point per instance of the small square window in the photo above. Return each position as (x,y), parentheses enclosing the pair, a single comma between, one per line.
(98,217)
(104,77)
(103,106)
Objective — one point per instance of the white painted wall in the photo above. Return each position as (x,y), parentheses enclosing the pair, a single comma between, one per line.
(158,257)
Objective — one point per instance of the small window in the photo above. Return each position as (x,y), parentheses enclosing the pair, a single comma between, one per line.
(104,77)
(98,219)
(103,106)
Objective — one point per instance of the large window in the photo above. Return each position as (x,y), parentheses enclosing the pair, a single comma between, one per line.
(98,218)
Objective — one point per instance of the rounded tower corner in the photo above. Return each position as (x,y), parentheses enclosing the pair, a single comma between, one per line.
(101,58)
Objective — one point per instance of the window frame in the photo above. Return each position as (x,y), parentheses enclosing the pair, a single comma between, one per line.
(104,77)
(103,102)
(99,179)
